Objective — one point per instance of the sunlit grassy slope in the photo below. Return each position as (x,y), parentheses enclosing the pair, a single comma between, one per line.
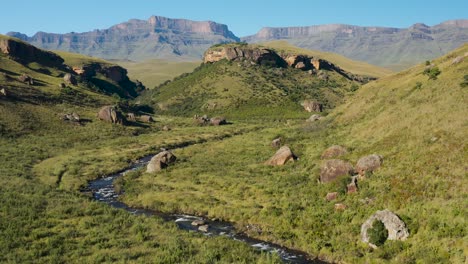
(154,72)
(418,125)
(354,66)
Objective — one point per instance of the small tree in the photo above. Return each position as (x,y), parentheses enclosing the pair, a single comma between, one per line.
(432,72)
(378,234)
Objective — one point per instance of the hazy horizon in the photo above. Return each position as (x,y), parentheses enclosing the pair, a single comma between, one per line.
(243,19)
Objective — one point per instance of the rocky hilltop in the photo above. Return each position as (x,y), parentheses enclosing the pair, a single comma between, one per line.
(265,56)
(395,48)
(157,37)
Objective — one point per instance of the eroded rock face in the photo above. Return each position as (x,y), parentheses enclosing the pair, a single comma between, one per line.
(256,55)
(334,168)
(396,228)
(334,152)
(281,157)
(26,53)
(160,161)
(110,114)
(368,164)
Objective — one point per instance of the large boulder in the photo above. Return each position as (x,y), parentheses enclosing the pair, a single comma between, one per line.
(283,155)
(334,168)
(146,118)
(396,228)
(312,106)
(69,79)
(368,164)
(160,161)
(217,121)
(111,114)
(334,152)
(314,118)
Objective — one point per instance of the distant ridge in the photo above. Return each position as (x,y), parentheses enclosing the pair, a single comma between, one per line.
(157,37)
(394,48)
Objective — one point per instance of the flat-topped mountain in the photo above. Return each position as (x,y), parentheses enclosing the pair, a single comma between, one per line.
(395,48)
(157,37)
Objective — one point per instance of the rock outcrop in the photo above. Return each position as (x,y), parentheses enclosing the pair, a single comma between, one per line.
(111,114)
(24,78)
(334,168)
(334,151)
(396,228)
(368,164)
(281,157)
(26,53)
(146,118)
(312,106)
(260,56)
(160,161)
(218,121)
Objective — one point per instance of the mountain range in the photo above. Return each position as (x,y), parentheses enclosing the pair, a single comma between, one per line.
(181,39)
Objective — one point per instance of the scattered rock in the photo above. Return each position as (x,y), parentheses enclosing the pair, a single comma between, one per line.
(312,106)
(204,228)
(334,152)
(201,120)
(131,117)
(62,85)
(396,228)
(161,161)
(166,128)
(276,143)
(3,92)
(24,78)
(340,207)
(198,223)
(283,155)
(72,117)
(332,169)
(218,121)
(314,118)
(111,114)
(70,79)
(368,164)
(146,118)
(331,196)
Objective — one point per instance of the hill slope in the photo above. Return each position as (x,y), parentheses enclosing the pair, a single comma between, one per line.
(157,37)
(394,48)
(239,76)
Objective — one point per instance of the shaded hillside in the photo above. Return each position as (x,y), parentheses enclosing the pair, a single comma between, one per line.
(157,37)
(394,48)
(240,76)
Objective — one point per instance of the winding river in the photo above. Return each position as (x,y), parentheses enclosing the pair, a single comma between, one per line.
(103,190)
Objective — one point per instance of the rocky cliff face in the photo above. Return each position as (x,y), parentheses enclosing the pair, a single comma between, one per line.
(25,53)
(389,47)
(157,37)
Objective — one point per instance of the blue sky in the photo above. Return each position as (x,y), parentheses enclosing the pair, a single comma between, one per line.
(244,17)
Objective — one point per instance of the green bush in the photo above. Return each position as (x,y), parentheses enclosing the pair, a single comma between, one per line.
(377,233)
(432,72)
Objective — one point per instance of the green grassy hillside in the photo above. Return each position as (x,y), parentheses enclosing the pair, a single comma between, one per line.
(154,72)
(417,124)
(243,88)
(45,161)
